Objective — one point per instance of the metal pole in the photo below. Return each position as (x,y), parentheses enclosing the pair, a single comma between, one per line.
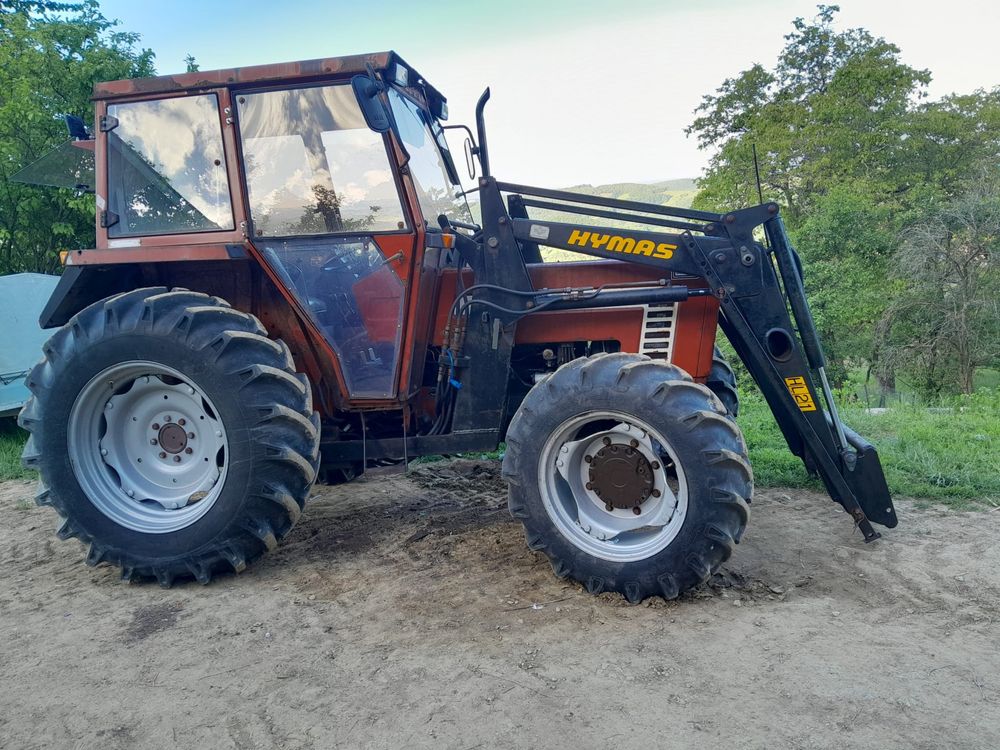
(828,395)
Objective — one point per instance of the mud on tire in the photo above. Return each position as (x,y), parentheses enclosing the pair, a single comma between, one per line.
(265,407)
(708,446)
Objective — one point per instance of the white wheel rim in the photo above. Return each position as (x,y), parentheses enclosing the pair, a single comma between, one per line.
(147,447)
(582,516)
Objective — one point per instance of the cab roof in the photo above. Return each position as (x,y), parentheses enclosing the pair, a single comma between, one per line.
(302,71)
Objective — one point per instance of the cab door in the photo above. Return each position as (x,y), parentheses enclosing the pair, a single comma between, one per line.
(327,217)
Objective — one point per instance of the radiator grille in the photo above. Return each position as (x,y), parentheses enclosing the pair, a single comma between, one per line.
(657,340)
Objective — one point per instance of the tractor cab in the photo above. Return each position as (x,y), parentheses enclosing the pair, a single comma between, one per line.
(281,160)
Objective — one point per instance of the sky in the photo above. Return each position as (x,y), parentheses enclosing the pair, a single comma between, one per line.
(583,92)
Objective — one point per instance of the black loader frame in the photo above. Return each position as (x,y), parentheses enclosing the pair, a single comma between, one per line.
(763,312)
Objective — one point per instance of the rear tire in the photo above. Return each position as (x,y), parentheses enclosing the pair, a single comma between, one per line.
(113,478)
(618,401)
(722,382)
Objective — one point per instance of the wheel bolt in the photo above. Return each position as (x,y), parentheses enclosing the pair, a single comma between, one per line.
(656,493)
(156,425)
(588,459)
(177,459)
(162,454)
(181,422)
(637,510)
(153,441)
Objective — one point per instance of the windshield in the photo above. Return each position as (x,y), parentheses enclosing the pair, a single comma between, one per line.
(313,166)
(423,138)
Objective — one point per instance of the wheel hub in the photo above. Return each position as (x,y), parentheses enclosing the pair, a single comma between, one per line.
(621,475)
(173,438)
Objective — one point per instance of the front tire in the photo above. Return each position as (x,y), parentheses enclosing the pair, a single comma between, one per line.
(722,382)
(628,476)
(172,436)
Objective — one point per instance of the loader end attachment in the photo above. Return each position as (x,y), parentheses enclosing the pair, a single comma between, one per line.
(867,481)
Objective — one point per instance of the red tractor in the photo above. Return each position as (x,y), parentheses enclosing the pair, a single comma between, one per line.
(289,282)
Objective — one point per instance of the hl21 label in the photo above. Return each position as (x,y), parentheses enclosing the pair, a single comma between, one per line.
(800,392)
(618,244)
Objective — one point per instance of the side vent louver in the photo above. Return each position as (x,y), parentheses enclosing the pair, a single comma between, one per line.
(657,339)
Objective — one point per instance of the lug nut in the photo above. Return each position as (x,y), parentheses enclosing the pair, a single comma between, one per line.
(634,443)
(590,486)
(656,493)
(153,441)
(190,436)
(588,459)
(156,425)
(162,454)
(637,510)
(189,451)
(181,422)
(655,465)
(177,459)
(609,507)
(607,441)
(166,418)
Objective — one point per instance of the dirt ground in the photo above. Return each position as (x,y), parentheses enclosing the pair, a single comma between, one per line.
(406,612)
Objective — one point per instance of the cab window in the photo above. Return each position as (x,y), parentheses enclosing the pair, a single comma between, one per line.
(166,168)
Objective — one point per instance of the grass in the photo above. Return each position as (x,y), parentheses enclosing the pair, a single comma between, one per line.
(950,454)
(12,439)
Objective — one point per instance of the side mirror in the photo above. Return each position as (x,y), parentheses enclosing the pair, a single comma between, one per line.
(367,91)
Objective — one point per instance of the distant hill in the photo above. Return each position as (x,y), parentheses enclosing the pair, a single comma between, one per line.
(678,193)
(666,193)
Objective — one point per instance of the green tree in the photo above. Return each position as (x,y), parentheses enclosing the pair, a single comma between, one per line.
(846,244)
(833,109)
(856,156)
(944,323)
(51,54)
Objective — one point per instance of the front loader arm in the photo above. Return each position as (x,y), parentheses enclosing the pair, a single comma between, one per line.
(760,294)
